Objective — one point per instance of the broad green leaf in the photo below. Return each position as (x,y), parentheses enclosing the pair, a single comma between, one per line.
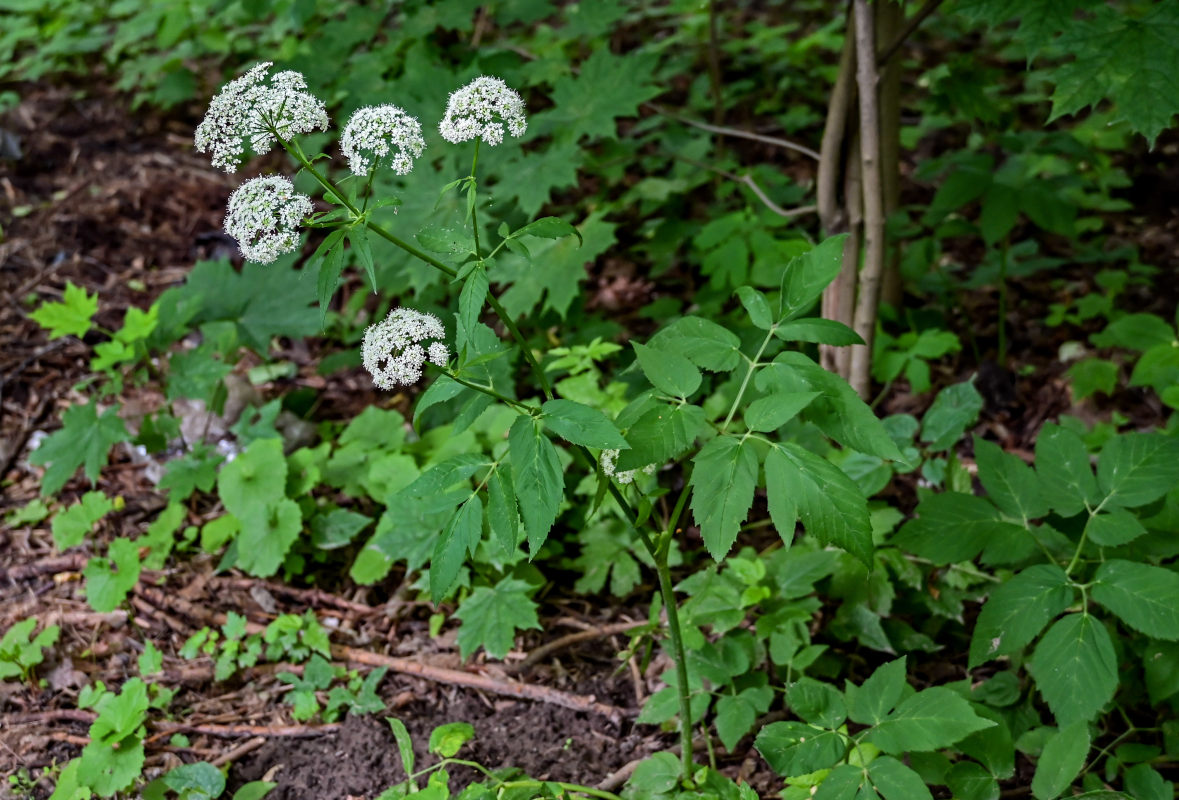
(337,528)
(358,238)
(1075,668)
(831,506)
(1018,610)
(331,264)
(606,87)
(661,434)
(1145,783)
(1143,596)
(1137,468)
(757,306)
(1092,375)
(794,748)
(1062,464)
(108,580)
(85,440)
(735,717)
(560,280)
(818,703)
(445,740)
(580,424)
(929,720)
(492,615)
(71,525)
(503,518)
(196,781)
(818,331)
(724,475)
(896,781)
(70,317)
(254,790)
(256,477)
(870,703)
(404,743)
(549,228)
(457,244)
(266,535)
(1113,528)
(774,410)
(1011,483)
(970,781)
(1138,332)
(953,411)
(471,299)
(658,774)
(780,495)
(807,275)
(539,480)
(1061,761)
(530,177)
(703,342)
(846,782)
(1158,368)
(460,537)
(951,527)
(668,372)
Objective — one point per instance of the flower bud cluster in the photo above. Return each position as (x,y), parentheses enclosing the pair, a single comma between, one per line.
(264,216)
(374,131)
(254,108)
(480,110)
(393,350)
(609,460)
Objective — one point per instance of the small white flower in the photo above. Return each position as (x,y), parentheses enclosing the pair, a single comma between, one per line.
(264,216)
(392,352)
(253,107)
(610,458)
(372,131)
(480,110)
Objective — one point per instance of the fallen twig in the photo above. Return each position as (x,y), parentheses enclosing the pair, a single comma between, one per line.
(246,747)
(542,652)
(73,562)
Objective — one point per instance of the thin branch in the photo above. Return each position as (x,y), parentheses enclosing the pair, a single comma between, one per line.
(736,132)
(747,180)
(930,6)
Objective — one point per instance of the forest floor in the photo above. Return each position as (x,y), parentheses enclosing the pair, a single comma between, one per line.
(117,203)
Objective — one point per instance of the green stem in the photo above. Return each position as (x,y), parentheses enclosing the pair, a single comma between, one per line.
(490,392)
(474,206)
(753,365)
(679,656)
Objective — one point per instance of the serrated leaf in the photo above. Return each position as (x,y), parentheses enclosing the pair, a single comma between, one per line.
(970,781)
(668,372)
(1113,528)
(951,527)
(445,740)
(661,434)
(954,410)
(724,475)
(539,480)
(817,703)
(257,476)
(735,717)
(896,781)
(460,537)
(358,238)
(1011,483)
(1062,464)
(70,317)
(491,617)
(1061,761)
(658,774)
(794,748)
(1137,468)
(606,88)
(108,580)
(266,535)
(471,299)
(776,409)
(929,720)
(757,306)
(831,506)
(71,525)
(1076,668)
(503,518)
(703,342)
(1017,611)
(196,781)
(1143,596)
(580,424)
(328,278)
(807,275)
(818,331)
(85,440)
(1092,375)
(549,228)
(879,694)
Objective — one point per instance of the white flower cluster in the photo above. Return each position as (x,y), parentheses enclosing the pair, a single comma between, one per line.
(254,107)
(392,349)
(480,110)
(264,216)
(610,459)
(372,131)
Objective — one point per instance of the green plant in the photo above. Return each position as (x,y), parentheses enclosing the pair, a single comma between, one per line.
(20,651)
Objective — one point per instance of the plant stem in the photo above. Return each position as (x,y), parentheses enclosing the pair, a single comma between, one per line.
(1003,303)
(490,392)
(753,365)
(678,655)
(474,206)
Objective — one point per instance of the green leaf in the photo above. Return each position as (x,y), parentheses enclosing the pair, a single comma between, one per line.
(661,434)
(1113,528)
(657,775)
(258,476)
(404,743)
(951,527)
(780,495)
(1062,464)
(606,88)
(358,238)
(1076,668)
(530,177)
(337,528)
(71,317)
(1160,662)
(845,783)
(71,525)
(254,790)
(559,282)
(266,535)
(85,440)
(831,506)
(491,617)
(1011,483)
(460,537)
(549,228)
(538,477)
(818,703)
(1138,332)
(794,748)
(1092,375)
(757,306)
(1061,761)
(953,411)
(108,580)
(195,781)
(928,720)
(737,714)
(1137,468)
(818,331)
(870,703)
(580,424)
(445,740)
(807,275)
(1144,597)
(896,781)
(703,342)
(503,518)
(774,410)
(724,475)
(1018,610)
(970,781)
(670,373)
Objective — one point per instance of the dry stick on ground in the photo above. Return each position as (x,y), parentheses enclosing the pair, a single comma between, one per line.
(471,680)
(75,562)
(312,597)
(870,276)
(246,747)
(165,727)
(542,652)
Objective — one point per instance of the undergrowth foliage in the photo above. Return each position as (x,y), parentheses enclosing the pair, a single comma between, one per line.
(534,443)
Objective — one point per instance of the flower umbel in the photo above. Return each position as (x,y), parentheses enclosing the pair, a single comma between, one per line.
(264,216)
(480,110)
(256,107)
(393,351)
(372,132)
(609,460)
